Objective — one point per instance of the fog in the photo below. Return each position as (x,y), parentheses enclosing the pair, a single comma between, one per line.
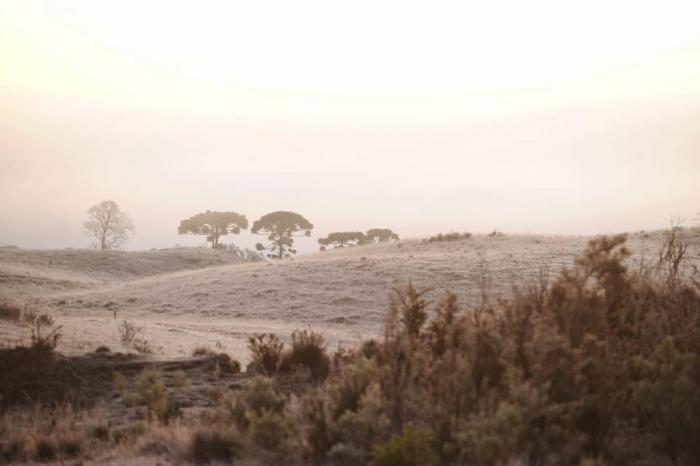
(553,151)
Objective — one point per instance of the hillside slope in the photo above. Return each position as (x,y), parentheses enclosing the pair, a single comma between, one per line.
(40,272)
(342,293)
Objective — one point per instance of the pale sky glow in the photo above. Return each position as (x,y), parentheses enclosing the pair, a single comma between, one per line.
(538,116)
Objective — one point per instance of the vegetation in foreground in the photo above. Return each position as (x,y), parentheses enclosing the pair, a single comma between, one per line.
(598,365)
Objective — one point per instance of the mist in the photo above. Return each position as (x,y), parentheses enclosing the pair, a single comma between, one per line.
(463,127)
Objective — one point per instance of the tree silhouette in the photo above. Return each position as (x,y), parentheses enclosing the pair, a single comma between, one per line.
(214,225)
(342,239)
(379,235)
(280,227)
(108,225)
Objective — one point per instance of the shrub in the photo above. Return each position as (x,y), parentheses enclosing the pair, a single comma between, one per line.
(257,397)
(127,332)
(308,351)
(141,345)
(10,312)
(203,351)
(448,237)
(211,445)
(45,450)
(266,352)
(412,448)
(46,320)
(150,391)
(227,364)
(269,430)
(45,343)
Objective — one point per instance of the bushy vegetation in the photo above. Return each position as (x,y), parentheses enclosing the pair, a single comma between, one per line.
(440,237)
(598,365)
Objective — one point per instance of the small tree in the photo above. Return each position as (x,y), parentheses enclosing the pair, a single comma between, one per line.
(214,225)
(108,225)
(342,239)
(379,235)
(280,227)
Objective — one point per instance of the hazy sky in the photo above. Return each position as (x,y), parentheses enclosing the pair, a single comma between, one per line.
(536,116)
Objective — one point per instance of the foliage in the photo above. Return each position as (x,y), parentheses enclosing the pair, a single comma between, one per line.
(10,312)
(266,352)
(342,239)
(308,351)
(280,228)
(127,332)
(439,238)
(412,448)
(380,235)
(208,445)
(214,225)
(108,225)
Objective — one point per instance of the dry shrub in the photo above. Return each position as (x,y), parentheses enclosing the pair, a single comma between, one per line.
(266,353)
(209,445)
(142,346)
(440,237)
(45,343)
(148,390)
(203,351)
(269,430)
(308,351)
(10,312)
(412,448)
(127,332)
(45,320)
(258,397)
(598,364)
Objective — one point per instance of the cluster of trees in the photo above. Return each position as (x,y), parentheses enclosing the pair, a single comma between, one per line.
(279,227)
(110,227)
(341,239)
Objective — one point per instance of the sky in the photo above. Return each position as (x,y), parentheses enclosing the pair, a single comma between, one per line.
(543,117)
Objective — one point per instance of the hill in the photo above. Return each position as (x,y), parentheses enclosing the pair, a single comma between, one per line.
(183,298)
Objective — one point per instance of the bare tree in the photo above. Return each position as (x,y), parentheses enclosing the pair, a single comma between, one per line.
(108,225)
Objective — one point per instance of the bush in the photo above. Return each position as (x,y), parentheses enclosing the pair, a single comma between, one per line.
(10,312)
(269,430)
(448,237)
(127,332)
(308,351)
(210,445)
(412,448)
(266,353)
(227,364)
(45,320)
(203,351)
(141,345)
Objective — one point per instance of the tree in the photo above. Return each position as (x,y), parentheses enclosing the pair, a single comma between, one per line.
(280,227)
(342,239)
(214,225)
(380,235)
(108,225)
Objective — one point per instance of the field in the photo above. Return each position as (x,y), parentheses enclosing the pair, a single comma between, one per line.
(195,306)
(189,297)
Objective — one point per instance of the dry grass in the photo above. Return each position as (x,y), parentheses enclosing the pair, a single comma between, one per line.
(596,364)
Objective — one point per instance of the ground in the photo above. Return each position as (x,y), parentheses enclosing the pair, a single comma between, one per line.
(190,297)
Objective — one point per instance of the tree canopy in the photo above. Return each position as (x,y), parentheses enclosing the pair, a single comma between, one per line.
(280,227)
(342,239)
(108,225)
(214,225)
(380,235)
